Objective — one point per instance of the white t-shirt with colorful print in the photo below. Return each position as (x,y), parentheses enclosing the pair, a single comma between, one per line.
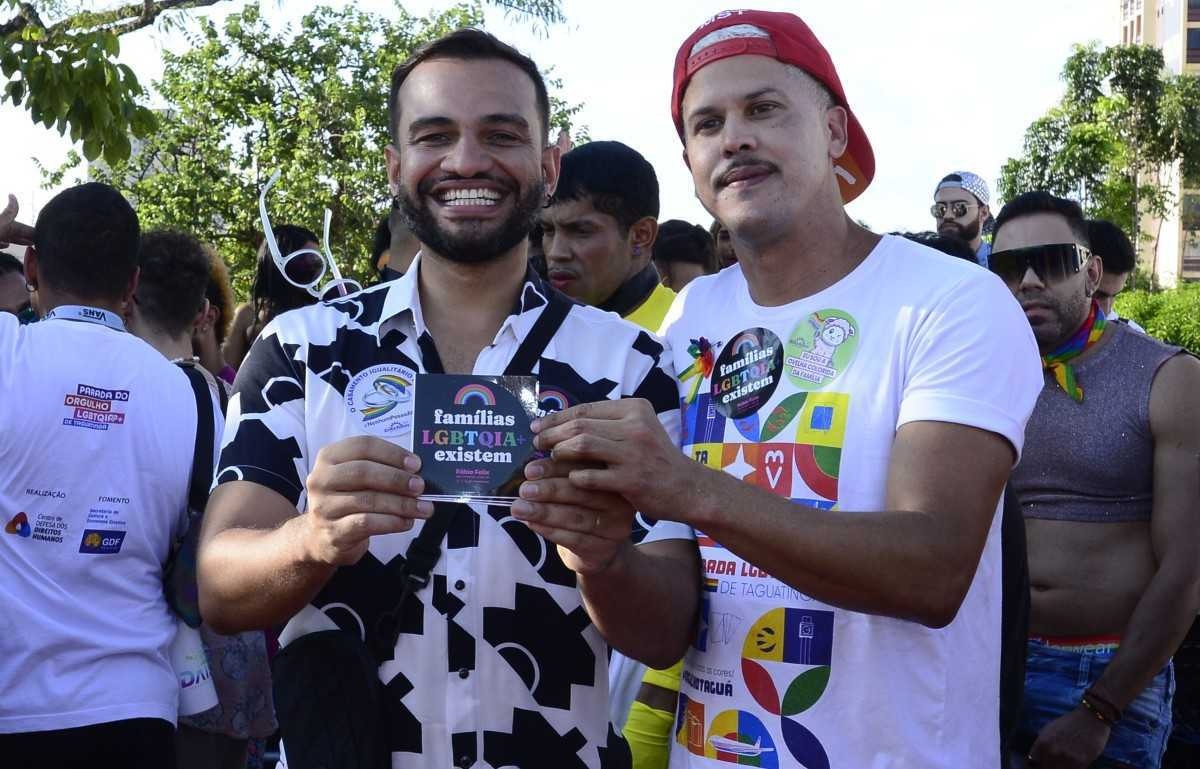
(804,400)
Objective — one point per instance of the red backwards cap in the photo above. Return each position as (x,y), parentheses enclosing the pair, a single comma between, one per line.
(785,37)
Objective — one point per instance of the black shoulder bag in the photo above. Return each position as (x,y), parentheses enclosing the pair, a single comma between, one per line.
(329,700)
(179,573)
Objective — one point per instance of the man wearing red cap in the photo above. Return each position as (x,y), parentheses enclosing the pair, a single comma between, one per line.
(853,404)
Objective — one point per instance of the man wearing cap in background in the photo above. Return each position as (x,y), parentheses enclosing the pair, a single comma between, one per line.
(853,404)
(960,208)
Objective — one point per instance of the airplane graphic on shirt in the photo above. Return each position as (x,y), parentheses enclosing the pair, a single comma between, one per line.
(734,747)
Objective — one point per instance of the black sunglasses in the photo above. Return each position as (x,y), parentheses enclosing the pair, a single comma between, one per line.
(1050,263)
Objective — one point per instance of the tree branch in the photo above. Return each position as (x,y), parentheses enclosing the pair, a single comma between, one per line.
(27,16)
(119,21)
(151,11)
(548,11)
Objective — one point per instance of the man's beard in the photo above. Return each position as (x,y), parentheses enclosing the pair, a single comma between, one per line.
(967,234)
(477,244)
(1068,313)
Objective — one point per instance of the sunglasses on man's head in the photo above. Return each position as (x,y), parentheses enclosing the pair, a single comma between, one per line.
(957,208)
(1050,263)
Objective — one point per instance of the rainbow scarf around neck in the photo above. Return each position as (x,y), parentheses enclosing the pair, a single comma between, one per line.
(1087,335)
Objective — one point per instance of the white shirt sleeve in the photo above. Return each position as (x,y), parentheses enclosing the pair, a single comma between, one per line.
(973,360)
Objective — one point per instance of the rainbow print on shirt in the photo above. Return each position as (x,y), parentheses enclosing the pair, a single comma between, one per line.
(791,446)
(805,468)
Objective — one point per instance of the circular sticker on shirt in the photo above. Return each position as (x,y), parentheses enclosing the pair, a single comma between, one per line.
(552,399)
(381,399)
(820,348)
(747,372)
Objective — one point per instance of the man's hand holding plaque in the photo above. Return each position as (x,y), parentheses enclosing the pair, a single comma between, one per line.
(591,528)
(360,487)
(605,457)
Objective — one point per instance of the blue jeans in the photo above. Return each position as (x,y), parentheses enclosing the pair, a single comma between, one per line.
(1055,680)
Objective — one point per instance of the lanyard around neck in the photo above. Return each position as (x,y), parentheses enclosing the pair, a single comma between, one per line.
(87,315)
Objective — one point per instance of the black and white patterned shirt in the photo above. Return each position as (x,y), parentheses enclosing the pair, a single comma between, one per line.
(497,663)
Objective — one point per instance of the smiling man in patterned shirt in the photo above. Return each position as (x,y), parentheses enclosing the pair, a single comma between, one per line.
(502,659)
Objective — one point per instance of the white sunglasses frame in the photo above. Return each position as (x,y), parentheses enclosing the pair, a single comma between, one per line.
(328,263)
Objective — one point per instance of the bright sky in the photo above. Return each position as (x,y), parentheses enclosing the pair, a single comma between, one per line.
(938,86)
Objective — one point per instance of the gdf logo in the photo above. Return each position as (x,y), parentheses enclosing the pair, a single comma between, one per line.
(99,542)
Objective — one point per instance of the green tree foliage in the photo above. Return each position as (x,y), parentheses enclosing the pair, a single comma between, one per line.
(64,70)
(1121,123)
(1172,316)
(248,100)
(59,58)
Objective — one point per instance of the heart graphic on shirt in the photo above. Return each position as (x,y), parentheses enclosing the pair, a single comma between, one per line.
(19,525)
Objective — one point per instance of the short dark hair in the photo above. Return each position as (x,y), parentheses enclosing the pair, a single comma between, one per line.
(680,241)
(10,263)
(173,280)
(470,45)
(616,178)
(536,251)
(947,244)
(382,241)
(1042,202)
(86,239)
(1111,244)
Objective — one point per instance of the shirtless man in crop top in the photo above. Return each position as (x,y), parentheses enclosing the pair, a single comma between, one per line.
(1110,487)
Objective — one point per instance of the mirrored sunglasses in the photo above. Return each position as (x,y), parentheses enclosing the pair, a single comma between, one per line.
(958,209)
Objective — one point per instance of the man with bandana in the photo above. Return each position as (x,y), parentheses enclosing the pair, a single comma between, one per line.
(960,208)
(1111,496)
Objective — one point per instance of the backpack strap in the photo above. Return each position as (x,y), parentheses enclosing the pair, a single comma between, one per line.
(179,572)
(544,328)
(202,459)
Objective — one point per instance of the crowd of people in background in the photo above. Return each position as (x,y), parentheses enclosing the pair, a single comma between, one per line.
(954,518)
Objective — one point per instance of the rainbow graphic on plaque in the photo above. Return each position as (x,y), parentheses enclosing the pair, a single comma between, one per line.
(475,395)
